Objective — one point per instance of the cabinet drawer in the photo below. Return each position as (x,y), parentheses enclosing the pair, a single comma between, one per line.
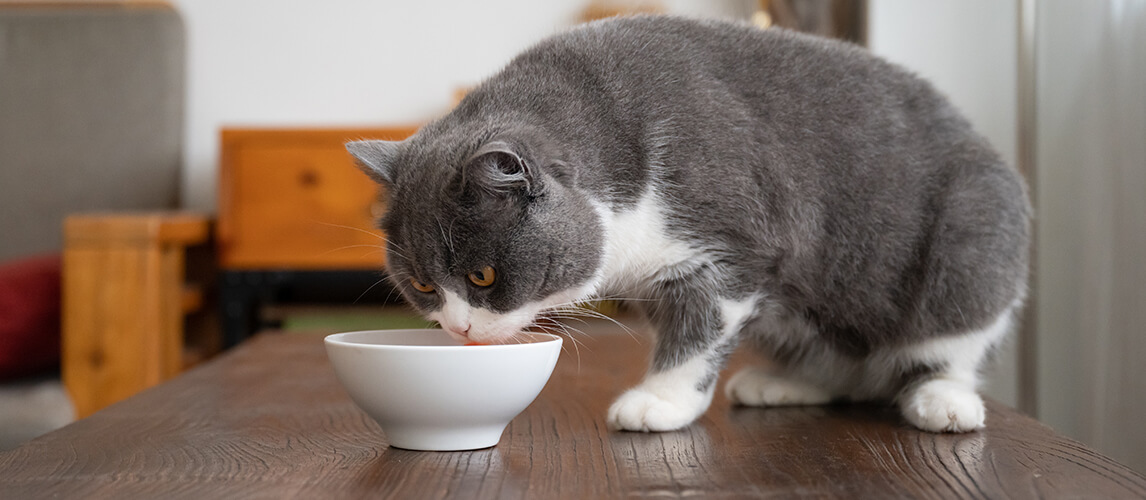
(293,199)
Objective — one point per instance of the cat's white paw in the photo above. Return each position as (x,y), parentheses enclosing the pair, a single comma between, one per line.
(756,387)
(641,410)
(944,406)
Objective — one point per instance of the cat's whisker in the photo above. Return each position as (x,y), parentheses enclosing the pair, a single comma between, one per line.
(572,317)
(587,302)
(371,233)
(390,296)
(565,327)
(576,345)
(448,240)
(571,331)
(389,246)
(348,247)
(545,329)
(363,294)
(376,252)
(570,311)
(622,298)
(400,255)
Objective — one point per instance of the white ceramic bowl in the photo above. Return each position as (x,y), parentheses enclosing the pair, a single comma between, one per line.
(429,392)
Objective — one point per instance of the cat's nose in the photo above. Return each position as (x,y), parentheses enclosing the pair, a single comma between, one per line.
(462,329)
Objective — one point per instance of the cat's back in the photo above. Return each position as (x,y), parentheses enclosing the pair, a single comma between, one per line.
(629,74)
(651,53)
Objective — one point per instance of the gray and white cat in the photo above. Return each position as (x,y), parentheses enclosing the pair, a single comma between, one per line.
(760,186)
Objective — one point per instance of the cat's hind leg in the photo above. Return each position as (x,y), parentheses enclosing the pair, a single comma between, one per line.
(944,397)
(944,405)
(782,337)
(696,336)
(755,386)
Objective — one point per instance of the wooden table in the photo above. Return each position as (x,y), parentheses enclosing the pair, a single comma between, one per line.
(269,420)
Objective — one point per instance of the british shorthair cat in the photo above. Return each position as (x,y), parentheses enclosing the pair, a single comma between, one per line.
(760,187)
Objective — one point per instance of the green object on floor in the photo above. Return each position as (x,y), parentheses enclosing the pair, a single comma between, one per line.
(335,321)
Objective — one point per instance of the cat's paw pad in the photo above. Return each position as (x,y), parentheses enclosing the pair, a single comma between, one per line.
(754,387)
(641,410)
(944,406)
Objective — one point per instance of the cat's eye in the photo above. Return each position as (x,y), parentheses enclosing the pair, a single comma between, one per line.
(421,287)
(484,277)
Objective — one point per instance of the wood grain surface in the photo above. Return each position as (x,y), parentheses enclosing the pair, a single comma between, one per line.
(269,420)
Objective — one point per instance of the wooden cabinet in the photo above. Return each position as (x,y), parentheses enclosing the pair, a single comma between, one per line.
(293,199)
(124,301)
(296,217)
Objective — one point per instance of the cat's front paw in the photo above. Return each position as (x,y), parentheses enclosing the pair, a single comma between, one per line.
(641,410)
(755,387)
(944,406)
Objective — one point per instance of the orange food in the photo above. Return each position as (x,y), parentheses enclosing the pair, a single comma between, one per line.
(475,343)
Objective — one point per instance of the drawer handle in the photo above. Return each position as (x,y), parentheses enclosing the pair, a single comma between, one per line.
(308,178)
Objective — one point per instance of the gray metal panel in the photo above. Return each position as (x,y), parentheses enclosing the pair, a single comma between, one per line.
(91,116)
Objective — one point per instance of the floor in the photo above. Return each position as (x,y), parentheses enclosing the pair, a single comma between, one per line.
(31,407)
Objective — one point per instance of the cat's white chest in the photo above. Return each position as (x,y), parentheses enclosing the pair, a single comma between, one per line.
(638,249)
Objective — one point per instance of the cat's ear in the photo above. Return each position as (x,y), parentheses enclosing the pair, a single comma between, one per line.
(498,168)
(376,158)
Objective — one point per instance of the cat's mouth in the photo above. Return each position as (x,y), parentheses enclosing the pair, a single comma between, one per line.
(501,336)
(483,326)
(467,323)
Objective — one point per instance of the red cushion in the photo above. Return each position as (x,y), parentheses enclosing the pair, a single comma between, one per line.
(29,316)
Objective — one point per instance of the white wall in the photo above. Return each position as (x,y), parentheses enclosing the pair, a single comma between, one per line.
(339,62)
(967,48)
(350,62)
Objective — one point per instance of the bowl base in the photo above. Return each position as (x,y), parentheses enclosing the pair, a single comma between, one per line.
(444,439)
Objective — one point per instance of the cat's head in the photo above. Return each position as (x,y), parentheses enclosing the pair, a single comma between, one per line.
(483,234)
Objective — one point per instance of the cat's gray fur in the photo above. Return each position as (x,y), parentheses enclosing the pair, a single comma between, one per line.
(840,199)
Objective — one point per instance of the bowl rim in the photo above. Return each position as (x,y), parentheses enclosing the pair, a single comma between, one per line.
(337,340)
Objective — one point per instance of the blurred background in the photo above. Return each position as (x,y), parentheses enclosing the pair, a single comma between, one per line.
(190,107)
